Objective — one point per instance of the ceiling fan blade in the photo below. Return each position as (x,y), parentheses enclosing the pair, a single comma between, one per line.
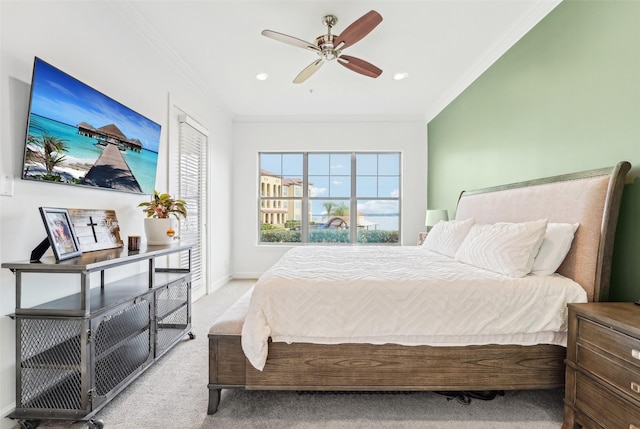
(290,40)
(308,71)
(358,29)
(359,66)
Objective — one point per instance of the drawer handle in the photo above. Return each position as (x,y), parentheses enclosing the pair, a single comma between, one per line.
(635,354)
(635,387)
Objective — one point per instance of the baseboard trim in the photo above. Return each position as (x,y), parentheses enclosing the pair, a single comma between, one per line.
(246,276)
(6,423)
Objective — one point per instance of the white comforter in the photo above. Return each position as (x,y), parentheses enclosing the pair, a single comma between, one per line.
(402,295)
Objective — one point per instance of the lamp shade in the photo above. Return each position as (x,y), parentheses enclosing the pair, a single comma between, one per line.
(435,216)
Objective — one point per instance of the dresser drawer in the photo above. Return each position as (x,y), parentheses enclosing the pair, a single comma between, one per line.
(618,344)
(607,409)
(624,377)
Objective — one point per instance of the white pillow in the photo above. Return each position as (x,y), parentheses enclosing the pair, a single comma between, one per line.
(445,237)
(555,246)
(505,248)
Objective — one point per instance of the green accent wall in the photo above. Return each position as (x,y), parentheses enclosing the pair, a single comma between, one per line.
(565,98)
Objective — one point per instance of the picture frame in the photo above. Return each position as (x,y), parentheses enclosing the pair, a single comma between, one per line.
(61,233)
(96,229)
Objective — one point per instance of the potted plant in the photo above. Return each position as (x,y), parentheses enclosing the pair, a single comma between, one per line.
(158,226)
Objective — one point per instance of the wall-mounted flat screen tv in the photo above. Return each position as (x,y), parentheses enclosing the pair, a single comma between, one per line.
(76,135)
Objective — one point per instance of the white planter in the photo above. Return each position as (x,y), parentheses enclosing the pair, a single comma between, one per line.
(156,231)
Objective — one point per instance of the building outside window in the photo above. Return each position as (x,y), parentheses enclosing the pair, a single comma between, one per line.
(330,197)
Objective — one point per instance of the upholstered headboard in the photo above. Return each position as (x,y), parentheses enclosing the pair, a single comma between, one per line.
(590,198)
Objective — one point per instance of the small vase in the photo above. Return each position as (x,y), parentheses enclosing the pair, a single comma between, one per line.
(158,231)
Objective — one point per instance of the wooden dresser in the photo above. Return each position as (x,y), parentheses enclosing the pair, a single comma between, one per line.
(603,366)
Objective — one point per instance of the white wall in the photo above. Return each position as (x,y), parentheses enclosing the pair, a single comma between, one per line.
(96,43)
(410,138)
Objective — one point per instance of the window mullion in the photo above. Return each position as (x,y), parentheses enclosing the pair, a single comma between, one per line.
(353,204)
(304,221)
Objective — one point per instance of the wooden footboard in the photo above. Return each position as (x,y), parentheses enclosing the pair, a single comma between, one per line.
(389,367)
(301,366)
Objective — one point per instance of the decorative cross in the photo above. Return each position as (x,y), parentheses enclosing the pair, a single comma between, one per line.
(92,224)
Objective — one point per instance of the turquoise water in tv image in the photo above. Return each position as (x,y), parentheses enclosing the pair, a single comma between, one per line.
(82,152)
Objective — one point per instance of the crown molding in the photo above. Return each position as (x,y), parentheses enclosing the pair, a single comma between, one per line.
(529,20)
(316,119)
(137,21)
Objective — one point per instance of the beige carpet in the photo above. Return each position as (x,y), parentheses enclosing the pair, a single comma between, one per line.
(172,394)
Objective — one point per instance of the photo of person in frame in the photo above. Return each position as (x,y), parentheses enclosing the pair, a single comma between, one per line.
(61,233)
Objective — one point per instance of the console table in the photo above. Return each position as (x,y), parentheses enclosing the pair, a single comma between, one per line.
(76,353)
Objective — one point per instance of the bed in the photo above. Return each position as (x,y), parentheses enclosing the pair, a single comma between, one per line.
(274,339)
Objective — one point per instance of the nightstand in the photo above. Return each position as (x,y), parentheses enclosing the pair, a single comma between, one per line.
(603,366)
(421,237)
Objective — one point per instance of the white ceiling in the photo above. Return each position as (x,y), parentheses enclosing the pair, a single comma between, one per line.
(443,45)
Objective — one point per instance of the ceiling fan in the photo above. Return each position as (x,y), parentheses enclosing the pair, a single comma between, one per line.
(329,46)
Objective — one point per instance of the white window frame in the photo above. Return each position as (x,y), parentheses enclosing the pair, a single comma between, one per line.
(266,200)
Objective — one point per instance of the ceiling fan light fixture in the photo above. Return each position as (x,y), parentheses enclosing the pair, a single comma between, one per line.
(400,76)
(327,51)
(262,76)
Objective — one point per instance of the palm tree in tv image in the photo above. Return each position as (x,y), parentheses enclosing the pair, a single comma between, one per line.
(50,153)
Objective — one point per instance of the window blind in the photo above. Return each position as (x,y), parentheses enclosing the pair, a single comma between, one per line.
(190,168)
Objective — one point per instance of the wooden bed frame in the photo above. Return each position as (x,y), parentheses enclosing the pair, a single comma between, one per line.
(591,198)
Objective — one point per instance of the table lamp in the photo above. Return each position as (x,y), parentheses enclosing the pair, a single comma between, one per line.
(435,216)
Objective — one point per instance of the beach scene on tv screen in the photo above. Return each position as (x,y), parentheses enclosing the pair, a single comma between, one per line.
(77,135)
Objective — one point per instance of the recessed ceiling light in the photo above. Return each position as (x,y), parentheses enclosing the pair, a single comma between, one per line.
(400,76)
(262,76)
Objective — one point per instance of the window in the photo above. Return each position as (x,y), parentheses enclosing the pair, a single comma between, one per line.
(330,197)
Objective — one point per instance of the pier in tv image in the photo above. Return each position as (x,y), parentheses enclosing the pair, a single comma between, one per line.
(77,135)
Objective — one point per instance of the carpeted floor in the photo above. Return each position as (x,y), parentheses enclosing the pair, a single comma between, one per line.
(172,394)
(516,410)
